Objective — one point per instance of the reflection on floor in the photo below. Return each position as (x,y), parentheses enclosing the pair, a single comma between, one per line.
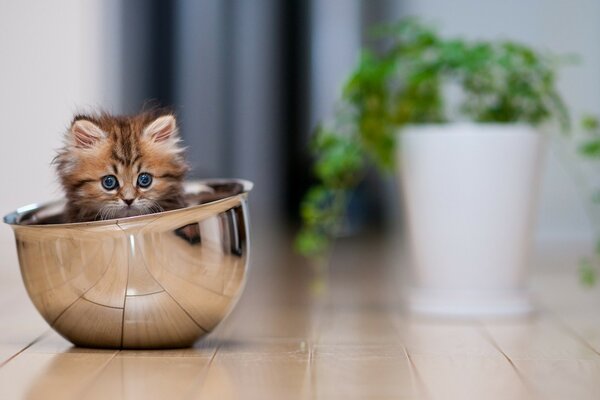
(338,334)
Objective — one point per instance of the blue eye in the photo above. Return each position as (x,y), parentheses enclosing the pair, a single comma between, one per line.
(110,182)
(144,180)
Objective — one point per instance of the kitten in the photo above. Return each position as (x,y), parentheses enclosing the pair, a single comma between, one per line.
(120,166)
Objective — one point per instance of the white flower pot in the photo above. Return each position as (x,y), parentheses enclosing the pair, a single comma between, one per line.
(470,193)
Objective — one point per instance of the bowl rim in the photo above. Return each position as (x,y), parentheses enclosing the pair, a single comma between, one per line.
(13,218)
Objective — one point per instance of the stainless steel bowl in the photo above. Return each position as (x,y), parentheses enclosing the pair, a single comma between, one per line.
(151,281)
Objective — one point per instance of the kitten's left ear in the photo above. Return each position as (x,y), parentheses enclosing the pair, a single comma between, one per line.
(162,129)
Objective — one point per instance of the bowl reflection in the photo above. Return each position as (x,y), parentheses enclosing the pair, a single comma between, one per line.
(152,281)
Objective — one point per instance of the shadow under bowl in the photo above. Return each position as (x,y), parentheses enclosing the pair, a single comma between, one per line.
(158,280)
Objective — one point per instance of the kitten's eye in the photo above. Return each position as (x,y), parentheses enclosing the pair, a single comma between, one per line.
(144,180)
(110,182)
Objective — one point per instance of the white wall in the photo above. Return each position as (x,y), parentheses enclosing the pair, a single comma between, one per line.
(562,27)
(56,57)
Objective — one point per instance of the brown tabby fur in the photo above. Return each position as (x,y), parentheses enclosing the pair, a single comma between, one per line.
(125,152)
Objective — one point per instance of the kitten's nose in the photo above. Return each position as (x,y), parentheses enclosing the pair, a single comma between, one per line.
(128,201)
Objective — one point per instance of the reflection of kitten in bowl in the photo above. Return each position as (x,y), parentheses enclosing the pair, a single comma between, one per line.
(149,281)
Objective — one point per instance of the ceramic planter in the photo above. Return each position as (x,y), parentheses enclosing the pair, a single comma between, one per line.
(470,193)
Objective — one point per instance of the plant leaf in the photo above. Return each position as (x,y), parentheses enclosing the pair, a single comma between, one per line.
(587,273)
(591,149)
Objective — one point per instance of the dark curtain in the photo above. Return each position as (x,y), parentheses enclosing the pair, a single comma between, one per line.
(241,76)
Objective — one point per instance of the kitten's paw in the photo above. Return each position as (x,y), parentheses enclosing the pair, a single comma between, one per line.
(196,187)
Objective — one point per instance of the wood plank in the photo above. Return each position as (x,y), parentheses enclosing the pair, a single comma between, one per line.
(434,337)
(459,377)
(154,374)
(554,363)
(455,360)
(583,325)
(255,370)
(537,338)
(357,326)
(149,375)
(363,371)
(21,324)
(52,369)
(571,305)
(562,379)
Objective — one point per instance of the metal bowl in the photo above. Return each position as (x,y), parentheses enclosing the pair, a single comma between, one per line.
(152,281)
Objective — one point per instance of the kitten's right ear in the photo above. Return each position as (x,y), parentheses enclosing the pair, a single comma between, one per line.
(85,134)
(162,129)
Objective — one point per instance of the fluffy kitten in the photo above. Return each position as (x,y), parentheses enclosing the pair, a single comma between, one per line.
(119,166)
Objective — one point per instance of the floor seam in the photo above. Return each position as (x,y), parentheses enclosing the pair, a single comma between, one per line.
(34,341)
(572,332)
(488,336)
(194,393)
(96,375)
(417,376)
(420,382)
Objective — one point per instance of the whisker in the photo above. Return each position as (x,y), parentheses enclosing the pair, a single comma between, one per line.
(111,211)
(98,214)
(156,207)
(114,211)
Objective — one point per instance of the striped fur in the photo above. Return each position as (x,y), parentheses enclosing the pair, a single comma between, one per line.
(97,145)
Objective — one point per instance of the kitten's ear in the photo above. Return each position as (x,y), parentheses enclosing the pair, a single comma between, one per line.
(162,129)
(85,134)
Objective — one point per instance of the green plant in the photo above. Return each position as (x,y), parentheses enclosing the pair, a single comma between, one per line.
(590,148)
(406,84)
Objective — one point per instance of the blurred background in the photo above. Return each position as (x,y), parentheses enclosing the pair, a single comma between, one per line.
(249,80)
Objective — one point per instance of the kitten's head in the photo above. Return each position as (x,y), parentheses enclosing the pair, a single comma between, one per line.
(112,167)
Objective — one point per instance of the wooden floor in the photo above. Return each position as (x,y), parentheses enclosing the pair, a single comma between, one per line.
(340,333)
